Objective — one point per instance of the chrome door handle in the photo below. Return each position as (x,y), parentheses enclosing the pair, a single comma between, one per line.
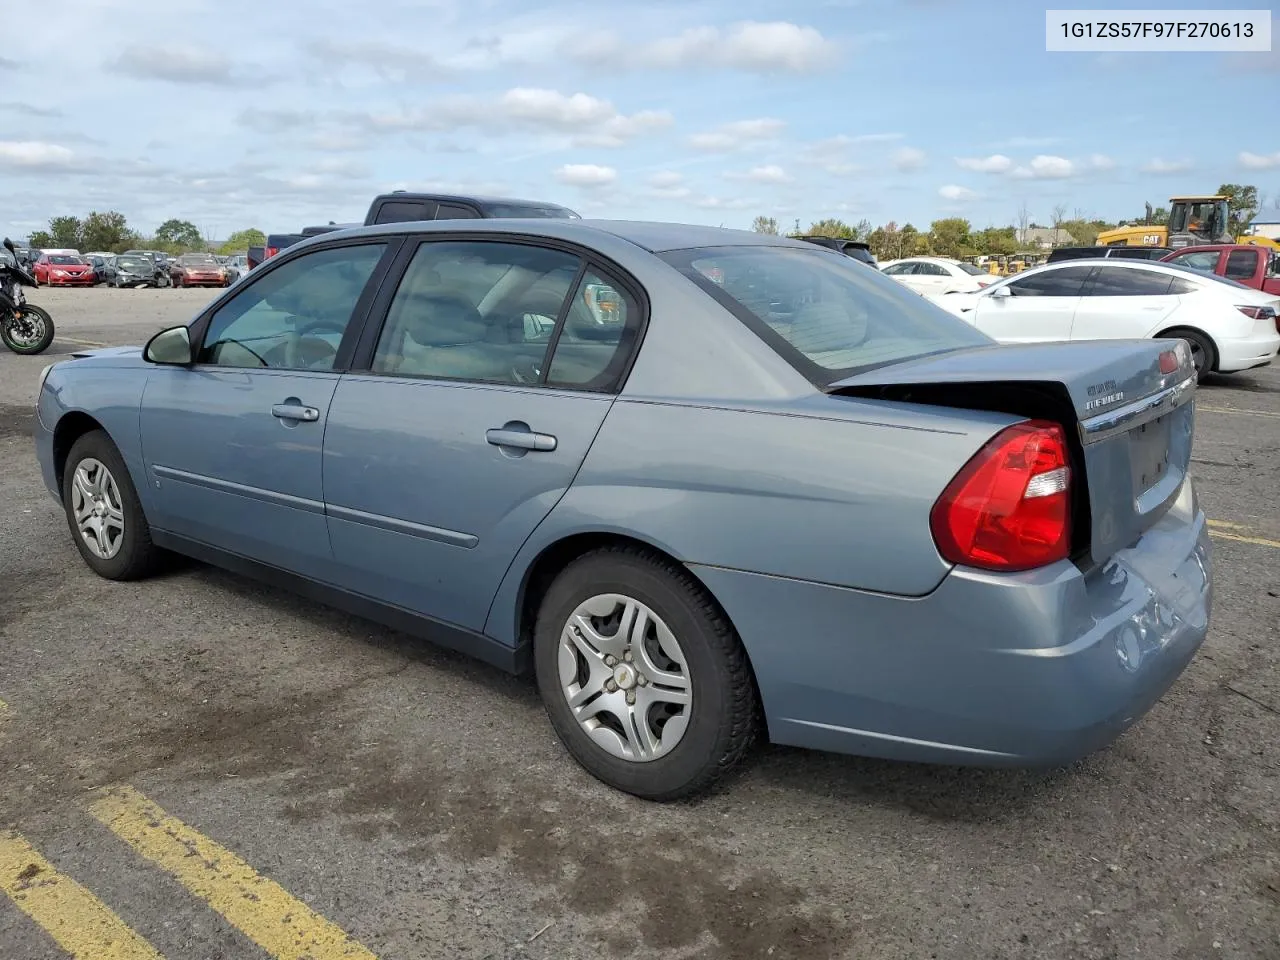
(295,411)
(521,439)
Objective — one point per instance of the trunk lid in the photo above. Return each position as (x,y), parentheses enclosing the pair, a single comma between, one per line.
(1126,404)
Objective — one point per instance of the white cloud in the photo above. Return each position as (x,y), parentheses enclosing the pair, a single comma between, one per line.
(175,64)
(1257,161)
(908,158)
(1160,167)
(619,129)
(996,163)
(739,133)
(1100,161)
(769,173)
(955,193)
(1045,167)
(35,155)
(666,179)
(392,61)
(776,46)
(586,175)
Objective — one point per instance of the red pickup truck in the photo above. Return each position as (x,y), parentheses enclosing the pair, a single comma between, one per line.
(1254,266)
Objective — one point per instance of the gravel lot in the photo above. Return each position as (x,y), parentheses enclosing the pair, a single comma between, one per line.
(420,801)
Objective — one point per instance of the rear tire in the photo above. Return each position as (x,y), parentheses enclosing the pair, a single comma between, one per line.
(683,679)
(1203,352)
(104,513)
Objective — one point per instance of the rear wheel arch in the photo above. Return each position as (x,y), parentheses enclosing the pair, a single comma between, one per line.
(556,556)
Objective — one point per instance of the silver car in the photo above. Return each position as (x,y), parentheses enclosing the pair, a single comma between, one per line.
(707,485)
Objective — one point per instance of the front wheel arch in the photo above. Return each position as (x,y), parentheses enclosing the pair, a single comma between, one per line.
(70,428)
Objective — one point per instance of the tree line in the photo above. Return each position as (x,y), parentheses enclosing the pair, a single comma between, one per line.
(109,232)
(957,238)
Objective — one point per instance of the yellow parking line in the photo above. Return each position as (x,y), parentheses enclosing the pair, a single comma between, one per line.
(260,908)
(80,923)
(1227,525)
(1249,413)
(1257,541)
(83,343)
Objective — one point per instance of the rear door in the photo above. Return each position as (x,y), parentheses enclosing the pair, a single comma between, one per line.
(1124,301)
(1040,306)
(472,408)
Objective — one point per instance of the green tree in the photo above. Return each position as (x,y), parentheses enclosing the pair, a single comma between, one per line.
(995,241)
(831,227)
(242,240)
(759,225)
(1242,206)
(40,239)
(949,237)
(1083,232)
(179,234)
(64,232)
(105,231)
(912,242)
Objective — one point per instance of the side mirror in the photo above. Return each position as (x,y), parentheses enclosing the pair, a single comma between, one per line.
(8,245)
(1000,293)
(171,347)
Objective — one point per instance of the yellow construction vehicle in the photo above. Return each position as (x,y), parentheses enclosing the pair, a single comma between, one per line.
(1192,221)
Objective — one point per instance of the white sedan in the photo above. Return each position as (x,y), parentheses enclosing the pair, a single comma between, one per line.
(1229,326)
(937,276)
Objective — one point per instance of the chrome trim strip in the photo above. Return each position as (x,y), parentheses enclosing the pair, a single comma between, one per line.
(239,489)
(1138,412)
(408,527)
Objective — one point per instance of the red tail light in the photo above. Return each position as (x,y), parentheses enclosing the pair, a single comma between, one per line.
(1009,507)
(1168,362)
(1257,313)
(270,252)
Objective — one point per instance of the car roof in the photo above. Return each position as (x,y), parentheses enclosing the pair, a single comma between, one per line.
(656,237)
(465,198)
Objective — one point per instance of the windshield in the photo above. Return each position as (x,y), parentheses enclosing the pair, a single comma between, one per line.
(198,259)
(65,260)
(133,263)
(825,314)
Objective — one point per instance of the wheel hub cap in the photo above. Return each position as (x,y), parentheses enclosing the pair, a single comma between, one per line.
(624,677)
(97,508)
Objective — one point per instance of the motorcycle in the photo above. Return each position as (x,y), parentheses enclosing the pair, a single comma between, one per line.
(24,327)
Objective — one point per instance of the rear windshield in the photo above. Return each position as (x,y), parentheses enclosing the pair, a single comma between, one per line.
(828,316)
(970,269)
(519,210)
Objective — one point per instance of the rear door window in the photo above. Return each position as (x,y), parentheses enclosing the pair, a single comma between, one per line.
(825,314)
(405,211)
(455,211)
(1125,282)
(1242,265)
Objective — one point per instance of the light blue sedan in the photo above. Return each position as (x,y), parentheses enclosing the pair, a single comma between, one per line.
(707,484)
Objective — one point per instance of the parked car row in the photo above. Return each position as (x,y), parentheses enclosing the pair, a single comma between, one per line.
(136,268)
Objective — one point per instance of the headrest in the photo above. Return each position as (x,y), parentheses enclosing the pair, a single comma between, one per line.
(441,320)
(820,327)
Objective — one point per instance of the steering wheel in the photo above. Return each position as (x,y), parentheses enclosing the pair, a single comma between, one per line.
(318,350)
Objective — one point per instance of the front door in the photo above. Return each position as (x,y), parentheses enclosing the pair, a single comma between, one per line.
(232,444)
(1040,306)
(490,378)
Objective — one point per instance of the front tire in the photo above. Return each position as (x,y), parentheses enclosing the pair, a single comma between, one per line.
(36,334)
(643,677)
(104,513)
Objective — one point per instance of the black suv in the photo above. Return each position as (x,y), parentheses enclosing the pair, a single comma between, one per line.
(1126,253)
(850,248)
(401,206)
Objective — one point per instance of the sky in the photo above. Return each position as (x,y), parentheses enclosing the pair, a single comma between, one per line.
(278,115)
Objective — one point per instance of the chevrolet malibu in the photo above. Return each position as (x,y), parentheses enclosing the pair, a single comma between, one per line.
(706,485)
